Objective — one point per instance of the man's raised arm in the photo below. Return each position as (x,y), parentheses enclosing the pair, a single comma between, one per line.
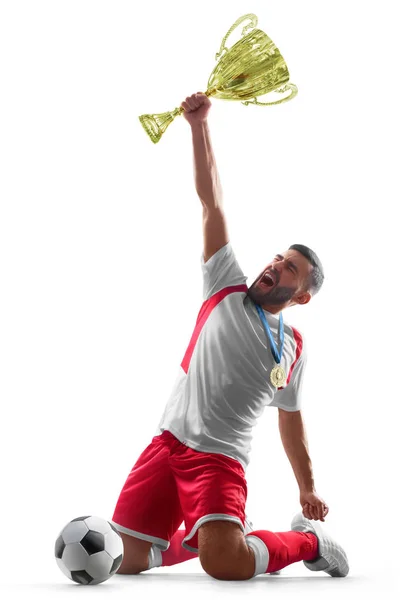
(208,185)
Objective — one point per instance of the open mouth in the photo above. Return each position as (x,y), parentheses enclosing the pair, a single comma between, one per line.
(267,281)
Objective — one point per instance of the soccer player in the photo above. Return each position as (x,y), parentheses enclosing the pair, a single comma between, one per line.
(241,358)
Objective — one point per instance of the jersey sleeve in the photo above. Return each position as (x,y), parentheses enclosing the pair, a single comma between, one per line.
(220,271)
(290,397)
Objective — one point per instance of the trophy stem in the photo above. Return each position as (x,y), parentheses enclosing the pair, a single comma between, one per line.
(156,125)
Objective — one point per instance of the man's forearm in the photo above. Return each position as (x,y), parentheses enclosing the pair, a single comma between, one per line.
(207,181)
(294,441)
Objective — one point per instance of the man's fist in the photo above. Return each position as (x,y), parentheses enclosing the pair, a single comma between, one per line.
(314,507)
(197,107)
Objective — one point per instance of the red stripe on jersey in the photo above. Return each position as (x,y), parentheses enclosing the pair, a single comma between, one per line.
(299,347)
(204,313)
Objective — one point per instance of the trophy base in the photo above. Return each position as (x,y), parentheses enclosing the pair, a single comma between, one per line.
(156,125)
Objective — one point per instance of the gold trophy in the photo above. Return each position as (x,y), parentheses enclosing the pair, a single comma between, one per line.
(253,66)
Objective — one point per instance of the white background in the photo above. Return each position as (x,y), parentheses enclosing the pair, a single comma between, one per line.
(101,284)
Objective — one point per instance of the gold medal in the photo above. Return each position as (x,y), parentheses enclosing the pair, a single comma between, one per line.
(278,376)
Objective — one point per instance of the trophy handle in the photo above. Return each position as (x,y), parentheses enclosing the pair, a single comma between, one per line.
(254,21)
(288,86)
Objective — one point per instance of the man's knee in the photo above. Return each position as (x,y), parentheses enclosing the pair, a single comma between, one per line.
(219,550)
(219,570)
(224,569)
(214,564)
(136,555)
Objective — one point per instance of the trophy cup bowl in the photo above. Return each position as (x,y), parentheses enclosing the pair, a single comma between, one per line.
(252,67)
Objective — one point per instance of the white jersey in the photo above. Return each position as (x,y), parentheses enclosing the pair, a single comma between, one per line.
(223,384)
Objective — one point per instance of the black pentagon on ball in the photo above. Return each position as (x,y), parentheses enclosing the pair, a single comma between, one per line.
(93,542)
(80,518)
(117,562)
(81,577)
(59,547)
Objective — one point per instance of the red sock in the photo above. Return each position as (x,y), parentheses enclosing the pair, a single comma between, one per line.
(287,547)
(175,553)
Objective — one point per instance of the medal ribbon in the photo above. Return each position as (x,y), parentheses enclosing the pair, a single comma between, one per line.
(277,356)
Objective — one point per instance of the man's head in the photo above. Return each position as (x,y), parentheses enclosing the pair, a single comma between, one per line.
(295,276)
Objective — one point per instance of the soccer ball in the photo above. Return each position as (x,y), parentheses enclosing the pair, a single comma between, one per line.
(89,550)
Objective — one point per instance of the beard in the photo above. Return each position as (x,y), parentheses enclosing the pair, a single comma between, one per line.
(276,296)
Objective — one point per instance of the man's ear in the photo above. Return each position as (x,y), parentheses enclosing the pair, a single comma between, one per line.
(304,298)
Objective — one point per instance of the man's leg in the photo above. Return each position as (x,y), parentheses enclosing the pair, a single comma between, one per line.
(226,553)
(141,556)
(148,511)
(177,554)
(136,555)
(217,498)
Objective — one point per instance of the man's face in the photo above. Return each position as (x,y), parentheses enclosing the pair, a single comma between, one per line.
(288,272)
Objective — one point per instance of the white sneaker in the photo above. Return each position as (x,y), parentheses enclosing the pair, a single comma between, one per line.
(331,557)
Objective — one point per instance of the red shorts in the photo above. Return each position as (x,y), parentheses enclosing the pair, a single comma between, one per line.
(171,483)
